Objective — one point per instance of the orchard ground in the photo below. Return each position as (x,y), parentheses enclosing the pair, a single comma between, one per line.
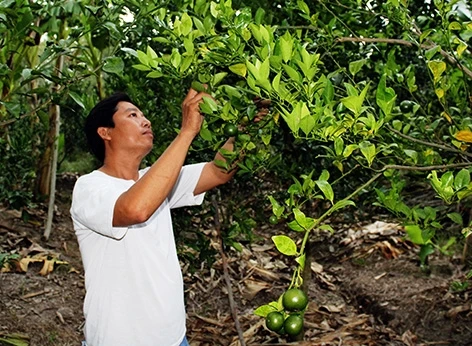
(366,289)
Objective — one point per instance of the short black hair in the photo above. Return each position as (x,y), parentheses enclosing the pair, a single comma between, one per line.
(102,116)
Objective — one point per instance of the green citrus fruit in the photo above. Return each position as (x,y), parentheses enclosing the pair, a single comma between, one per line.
(273,219)
(406,106)
(294,299)
(274,321)
(230,130)
(293,325)
(336,79)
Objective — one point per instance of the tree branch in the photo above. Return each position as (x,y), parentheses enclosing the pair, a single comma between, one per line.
(226,274)
(445,54)
(426,168)
(429,144)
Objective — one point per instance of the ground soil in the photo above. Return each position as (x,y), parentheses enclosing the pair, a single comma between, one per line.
(366,288)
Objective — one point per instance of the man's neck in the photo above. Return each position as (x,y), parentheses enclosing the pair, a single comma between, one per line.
(123,169)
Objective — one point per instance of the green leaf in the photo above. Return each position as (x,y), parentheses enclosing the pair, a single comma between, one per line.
(142,67)
(217,78)
(199,25)
(293,119)
(206,134)
(341,204)
(307,122)
(295,226)
(326,188)
(239,69)
(338,146)
(437,68)
(151,53)
(462,179)
(354,102)
(277,209)
(455,26)
(303,7)
(292,73)
(301,261)
(15,339)
(328,92)
(456,217)
(77,99)
(286,46)
(285,245)
(154,74)
(143,58)
(260,13)
(264,310)
(415,234)
(253,70)
(327,228)
(237,246)
(186,24)
(130,51)
(385,97)
(356,66)
(264,71)
(305,222)
(114,65)
(425,251)
(430,53)
(368,150)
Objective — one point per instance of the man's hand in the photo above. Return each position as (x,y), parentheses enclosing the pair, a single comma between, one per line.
(192,118)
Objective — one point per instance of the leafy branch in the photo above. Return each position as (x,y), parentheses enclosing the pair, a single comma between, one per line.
(445,54)
(429,144)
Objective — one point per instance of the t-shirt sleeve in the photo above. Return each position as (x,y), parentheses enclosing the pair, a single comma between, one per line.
(93,203)
(182,193)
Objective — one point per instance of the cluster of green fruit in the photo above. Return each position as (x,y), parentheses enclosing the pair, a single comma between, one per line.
(289,321)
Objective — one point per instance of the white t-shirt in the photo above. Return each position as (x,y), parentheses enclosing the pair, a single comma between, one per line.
(134,286)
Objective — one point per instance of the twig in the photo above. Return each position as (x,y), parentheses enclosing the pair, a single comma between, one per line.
(35,294)
(208,320)
(426,168)
(429,144)
(225,271)
(445,54)
(8,228)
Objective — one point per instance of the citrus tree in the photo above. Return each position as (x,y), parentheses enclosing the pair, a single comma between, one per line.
(377,100)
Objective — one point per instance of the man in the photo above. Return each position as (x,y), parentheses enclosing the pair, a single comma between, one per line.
(121,215)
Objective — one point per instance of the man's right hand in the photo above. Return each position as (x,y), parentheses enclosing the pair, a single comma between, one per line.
(192,119)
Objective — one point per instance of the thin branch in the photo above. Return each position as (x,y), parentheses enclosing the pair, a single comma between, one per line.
(445,54)
(226,275)
(426,168)
(429,144)
(34,111)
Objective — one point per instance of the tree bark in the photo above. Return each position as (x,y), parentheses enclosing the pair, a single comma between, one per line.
(55,116)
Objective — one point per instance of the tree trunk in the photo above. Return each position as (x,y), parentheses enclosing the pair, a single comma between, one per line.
(45,166)
(55,119)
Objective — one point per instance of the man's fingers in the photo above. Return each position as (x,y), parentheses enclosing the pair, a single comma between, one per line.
(190,95)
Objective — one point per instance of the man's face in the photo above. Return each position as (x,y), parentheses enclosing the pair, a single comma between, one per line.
(132,130)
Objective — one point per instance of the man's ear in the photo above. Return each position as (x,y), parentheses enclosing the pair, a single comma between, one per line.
(104,132)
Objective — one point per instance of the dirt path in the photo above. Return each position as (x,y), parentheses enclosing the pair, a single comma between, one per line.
(367,289)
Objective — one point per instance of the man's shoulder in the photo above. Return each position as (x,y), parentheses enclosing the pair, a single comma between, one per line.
(93,178)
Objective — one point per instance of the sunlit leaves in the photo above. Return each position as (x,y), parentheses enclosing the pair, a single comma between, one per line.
(437,68)
(354,101)
(385,97)
(285,245)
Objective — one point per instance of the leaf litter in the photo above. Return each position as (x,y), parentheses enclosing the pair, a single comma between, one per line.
(366,289)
